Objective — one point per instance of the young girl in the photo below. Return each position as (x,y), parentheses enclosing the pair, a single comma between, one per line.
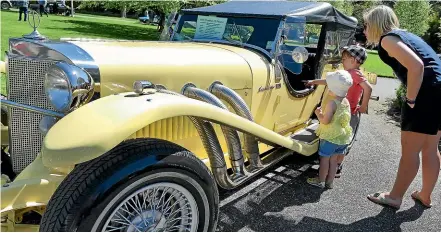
(334,131)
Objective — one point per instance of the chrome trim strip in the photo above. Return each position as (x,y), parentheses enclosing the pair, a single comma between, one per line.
(276,40)
(231,43)
(42,111)
(9,114)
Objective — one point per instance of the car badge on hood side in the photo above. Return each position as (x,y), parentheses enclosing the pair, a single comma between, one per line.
(34,22)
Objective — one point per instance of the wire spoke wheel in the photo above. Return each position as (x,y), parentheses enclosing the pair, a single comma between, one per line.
(158,207)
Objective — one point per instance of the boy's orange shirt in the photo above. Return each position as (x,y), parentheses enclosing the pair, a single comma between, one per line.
(355,91)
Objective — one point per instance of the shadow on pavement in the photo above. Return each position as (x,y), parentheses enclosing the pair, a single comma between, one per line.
(284,187)
(387,220)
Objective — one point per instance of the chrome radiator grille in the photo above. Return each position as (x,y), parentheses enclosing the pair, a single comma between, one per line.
(25,86)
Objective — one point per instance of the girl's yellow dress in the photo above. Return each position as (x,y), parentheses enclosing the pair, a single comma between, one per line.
(338,131)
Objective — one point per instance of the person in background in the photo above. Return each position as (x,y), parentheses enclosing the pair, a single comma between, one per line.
(43,4)
(23,9)
(55,8)
(419,68)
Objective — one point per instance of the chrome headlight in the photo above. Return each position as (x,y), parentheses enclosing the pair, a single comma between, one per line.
(67,86)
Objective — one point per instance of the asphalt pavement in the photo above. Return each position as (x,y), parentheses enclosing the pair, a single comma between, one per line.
(281,200)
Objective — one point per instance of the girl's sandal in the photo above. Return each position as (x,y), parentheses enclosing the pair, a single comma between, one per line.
(416,196)
(381,199)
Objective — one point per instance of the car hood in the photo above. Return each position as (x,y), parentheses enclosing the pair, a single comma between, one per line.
(172,64)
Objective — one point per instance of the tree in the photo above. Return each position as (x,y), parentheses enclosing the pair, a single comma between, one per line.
(433,34)
(413,15)
(389,3)
(198,3)
(162,8)
(122,6)
(361,7)
(345,6)
(165,7)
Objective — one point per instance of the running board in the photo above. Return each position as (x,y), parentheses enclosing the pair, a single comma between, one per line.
(270,158)
(307,138)
(307,135)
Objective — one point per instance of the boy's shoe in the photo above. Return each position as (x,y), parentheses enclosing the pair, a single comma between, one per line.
(339,168)
(329,185)
(316,182)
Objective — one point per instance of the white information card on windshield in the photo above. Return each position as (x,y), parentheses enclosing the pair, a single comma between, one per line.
(209,27)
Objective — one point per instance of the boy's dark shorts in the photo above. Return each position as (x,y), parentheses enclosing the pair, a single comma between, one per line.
(425,117)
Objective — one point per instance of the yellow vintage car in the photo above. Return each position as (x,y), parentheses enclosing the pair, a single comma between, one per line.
(108,135)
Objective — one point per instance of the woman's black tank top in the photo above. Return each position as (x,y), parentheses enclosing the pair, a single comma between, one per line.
(432,63)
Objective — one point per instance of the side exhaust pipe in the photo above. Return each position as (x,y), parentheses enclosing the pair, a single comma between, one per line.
(231,135)
(212,146)
(241,109)
(207,134)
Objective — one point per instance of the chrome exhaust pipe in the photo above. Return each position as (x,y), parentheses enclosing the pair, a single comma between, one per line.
(207,134)
(241,109)
(212,146)
(214,151)
(231,135)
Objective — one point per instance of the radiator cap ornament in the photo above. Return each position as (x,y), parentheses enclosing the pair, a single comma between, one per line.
(34,22)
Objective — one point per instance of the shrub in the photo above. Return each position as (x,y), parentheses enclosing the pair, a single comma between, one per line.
(400,94)
(433,34)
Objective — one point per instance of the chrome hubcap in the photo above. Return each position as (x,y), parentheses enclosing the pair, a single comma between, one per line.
(157,207)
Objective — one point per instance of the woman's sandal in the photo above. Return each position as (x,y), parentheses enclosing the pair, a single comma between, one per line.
(381,199)
(416,196)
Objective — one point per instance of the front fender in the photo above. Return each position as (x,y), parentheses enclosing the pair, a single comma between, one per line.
(99,126)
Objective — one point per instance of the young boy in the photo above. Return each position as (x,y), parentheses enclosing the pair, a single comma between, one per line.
(352,58)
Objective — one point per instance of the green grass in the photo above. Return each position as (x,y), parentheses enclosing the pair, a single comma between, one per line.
(375,65)
(81,26)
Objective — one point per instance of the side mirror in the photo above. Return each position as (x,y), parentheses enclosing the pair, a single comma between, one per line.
(300,54)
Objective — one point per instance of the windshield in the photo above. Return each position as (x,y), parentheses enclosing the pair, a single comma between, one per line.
(255,31)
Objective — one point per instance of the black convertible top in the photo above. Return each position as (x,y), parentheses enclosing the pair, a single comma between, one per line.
(318,12)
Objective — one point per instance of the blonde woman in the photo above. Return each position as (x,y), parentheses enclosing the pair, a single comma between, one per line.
(419,69)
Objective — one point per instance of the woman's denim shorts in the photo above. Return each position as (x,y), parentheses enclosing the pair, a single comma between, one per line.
(327,149)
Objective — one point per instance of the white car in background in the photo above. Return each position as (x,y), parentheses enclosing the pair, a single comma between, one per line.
(6,4)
